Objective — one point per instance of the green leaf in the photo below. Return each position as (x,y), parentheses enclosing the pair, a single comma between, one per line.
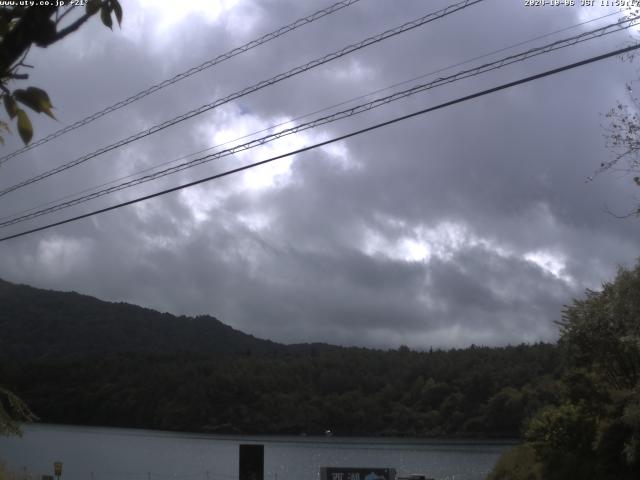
(105,15)
(10,106)
(25,129)
(92,6)
(117,9)
(36,99)
(28,99)
(42,99)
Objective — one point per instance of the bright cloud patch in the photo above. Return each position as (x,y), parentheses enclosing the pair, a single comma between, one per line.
(550,263)
(234,126)
(351,69)
(200,201)
(443,240)
(171,14)
(339,155)
(255,221)
(61,256)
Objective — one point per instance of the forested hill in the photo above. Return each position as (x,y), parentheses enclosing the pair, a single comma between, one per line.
(36,323)
(78,360)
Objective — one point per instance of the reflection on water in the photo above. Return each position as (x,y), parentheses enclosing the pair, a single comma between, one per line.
(111,453)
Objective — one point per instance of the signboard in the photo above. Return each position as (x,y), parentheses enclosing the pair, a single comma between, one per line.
(352,473)
(57,468)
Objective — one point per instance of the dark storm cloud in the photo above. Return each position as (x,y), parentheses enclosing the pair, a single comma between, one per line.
(473,224)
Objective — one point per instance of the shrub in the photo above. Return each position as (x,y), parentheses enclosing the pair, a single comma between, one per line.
(519,463)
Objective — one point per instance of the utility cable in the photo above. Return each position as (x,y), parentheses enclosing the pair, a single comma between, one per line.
(188,73)
(258,86)
(333,140)
(596,33)
(300,117)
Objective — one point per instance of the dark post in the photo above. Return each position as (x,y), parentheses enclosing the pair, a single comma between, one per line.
(251,462)
(57,469)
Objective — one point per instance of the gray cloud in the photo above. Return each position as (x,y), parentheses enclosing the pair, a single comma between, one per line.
(473,224)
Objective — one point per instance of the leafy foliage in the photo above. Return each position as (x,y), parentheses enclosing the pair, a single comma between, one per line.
(519,463)
(5,473)
(563,437)
(41,25)
(623,130)
(12,411)
(593,432)
(602,332)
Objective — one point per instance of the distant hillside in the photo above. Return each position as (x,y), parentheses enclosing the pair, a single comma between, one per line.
(37,323)
(76,359)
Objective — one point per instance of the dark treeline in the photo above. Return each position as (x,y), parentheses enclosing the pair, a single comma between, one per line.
(76,359)
(486,392)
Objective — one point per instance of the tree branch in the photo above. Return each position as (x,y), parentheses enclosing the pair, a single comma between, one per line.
(59,19)
(75,25)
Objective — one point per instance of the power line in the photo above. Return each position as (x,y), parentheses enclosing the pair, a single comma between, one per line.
(258,86)
(324,109)
(335,139)
(519,57)
(188,73)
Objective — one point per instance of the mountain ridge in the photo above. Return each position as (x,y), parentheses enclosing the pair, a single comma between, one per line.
(40,323)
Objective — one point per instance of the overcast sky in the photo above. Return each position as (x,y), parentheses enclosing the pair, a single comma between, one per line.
(472,224)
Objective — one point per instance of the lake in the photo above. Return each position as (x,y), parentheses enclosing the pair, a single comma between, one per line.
(91,453)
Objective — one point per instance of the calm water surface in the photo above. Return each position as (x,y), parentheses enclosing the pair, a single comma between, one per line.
(112,453)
